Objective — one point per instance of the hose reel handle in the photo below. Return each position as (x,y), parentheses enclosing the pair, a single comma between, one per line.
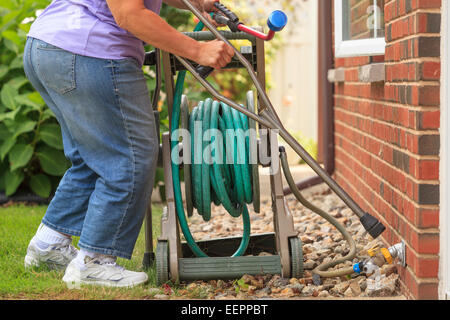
(204,71)
(227,12)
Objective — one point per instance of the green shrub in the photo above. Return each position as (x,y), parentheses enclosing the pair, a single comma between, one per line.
(309,144)
(31,155)
(31,152)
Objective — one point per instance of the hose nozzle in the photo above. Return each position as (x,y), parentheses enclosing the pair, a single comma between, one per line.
(372,225)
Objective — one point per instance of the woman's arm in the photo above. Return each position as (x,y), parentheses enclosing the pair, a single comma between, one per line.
(202,5)
(175,3)
(133,16)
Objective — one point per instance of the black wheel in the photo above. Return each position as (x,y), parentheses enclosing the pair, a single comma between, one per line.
(162,262)
(296,258)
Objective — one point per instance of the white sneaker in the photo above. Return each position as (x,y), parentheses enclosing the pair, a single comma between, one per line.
(56,256)
(101,271)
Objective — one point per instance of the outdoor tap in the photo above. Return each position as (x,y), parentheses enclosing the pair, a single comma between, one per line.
(381,256)
(399,251)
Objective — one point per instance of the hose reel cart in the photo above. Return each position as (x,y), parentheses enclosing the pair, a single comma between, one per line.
(177,258)
(233,185)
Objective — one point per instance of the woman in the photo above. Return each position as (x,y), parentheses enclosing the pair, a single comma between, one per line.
(85,58)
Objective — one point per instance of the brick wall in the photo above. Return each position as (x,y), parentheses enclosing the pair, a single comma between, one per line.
(387,138)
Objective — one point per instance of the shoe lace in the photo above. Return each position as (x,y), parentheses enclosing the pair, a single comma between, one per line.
(110,261)
(66,248)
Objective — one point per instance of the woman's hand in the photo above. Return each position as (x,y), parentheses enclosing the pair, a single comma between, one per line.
(216,54)
(209,5)
(204,6)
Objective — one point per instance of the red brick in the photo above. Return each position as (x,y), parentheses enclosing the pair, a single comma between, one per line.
(387,138)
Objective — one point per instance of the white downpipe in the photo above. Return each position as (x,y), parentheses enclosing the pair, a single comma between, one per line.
(444,263)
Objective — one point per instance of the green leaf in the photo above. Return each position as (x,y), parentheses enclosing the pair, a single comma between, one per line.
(9,19)
(41,185)
(159,175)
(51,135)
(47,114)
(6,146)
(3,71)
(25,100)
(13,36)
(52,161)
(13,181)
(20,155)
(7,96)
(17,62)
(23,127)
(9,115)
(3,170)
(17,82)
(11,45)
(4,133)
(36,98)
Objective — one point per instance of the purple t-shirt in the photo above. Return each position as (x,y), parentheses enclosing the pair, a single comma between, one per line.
(87,27)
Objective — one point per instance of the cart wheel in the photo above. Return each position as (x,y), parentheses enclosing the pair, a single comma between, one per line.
(162,262)
(296,258)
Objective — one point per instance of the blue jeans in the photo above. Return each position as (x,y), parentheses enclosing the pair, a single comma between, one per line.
(109,135)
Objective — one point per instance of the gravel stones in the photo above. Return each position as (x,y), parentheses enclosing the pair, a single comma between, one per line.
(281,282)
(382,286)
(323,294)
(321,243)
(308,290)
(355,288)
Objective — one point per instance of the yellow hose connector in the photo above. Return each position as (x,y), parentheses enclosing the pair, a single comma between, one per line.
(384,252)
(387,255)
(373,251)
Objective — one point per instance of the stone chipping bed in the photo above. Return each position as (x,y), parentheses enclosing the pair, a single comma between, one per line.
(321,243)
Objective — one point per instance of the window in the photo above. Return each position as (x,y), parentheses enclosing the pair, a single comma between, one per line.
(359,28)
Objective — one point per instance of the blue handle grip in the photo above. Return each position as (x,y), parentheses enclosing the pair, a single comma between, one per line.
(277,20)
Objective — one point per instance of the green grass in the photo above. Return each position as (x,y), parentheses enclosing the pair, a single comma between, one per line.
(18,223)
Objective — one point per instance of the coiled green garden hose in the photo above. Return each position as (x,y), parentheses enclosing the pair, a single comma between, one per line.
(221,174)
(217,181)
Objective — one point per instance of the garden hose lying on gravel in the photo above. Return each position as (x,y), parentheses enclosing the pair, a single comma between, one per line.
(320,270)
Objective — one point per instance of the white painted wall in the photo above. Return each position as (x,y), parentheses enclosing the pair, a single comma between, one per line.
(294,74)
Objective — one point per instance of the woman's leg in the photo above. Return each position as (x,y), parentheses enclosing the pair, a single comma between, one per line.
(67,210)
(106,107)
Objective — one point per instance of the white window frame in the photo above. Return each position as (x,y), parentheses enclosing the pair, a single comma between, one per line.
(354,48)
